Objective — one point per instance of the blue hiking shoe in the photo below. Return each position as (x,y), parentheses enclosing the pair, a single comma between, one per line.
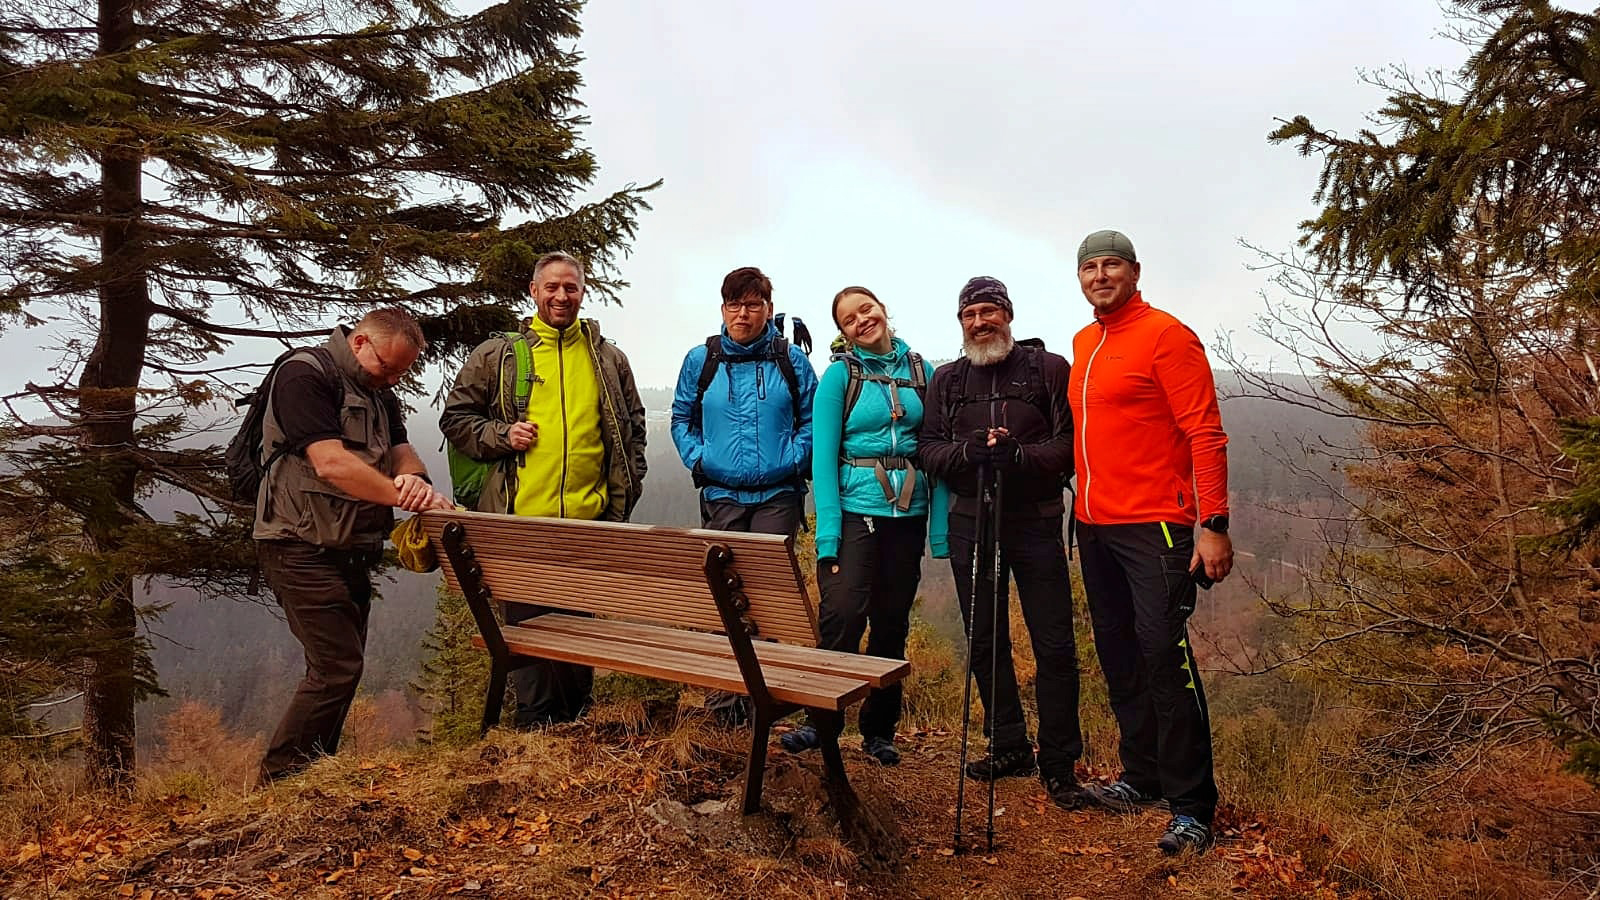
(1186,832)
(801,739)
(1121,797)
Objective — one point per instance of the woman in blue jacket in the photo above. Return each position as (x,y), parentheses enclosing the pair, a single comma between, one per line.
(874,507)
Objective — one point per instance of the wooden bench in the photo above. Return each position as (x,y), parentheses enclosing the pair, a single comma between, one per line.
(713,609)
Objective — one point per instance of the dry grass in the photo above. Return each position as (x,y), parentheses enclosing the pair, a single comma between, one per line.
(1498,831)
(564,812)
(932,694)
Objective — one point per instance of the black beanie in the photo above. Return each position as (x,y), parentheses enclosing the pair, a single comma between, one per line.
(984,289)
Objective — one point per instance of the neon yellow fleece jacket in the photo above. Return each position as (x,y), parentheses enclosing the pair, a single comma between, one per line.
(563,474)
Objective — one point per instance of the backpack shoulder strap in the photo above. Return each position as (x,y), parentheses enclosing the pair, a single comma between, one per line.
(852,386)
(708,372)
(323,360)
(952,399)
(779,351)
(522,389)
(330,369)
(1038,391)
(919,375)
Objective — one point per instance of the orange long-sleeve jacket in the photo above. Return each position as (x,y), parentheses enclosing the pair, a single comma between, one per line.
(1149,442)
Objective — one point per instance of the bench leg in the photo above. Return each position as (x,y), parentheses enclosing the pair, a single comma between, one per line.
(862,826)
(756,767)
(496,696)
(829,724)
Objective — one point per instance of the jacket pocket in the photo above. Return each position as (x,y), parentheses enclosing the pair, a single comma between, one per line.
(355,423)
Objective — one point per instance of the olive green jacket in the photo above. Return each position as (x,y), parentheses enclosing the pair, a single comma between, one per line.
(480,409)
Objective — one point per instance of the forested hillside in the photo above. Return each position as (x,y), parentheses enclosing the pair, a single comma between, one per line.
(240,658)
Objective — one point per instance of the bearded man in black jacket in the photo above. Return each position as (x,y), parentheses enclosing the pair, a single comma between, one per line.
(1000,412)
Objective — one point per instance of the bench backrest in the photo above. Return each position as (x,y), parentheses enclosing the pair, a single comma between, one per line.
(643,573)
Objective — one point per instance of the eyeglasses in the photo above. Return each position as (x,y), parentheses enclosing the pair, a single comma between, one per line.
(753,306)
(980,311)
(385,371)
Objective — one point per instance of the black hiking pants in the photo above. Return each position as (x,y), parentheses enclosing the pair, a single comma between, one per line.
(1138,586)
(1033,551)
(326,597)
(547,692)
(880,565)
(780,515)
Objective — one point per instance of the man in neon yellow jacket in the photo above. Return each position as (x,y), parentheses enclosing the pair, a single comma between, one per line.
(578,452)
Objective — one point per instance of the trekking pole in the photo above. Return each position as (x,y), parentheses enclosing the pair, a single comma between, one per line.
(966,683)
(997,591)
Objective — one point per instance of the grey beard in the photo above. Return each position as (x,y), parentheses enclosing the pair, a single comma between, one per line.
(989,351)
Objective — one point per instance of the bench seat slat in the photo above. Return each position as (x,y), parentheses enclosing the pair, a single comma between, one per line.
(802,688)
(643,606)
(876,671)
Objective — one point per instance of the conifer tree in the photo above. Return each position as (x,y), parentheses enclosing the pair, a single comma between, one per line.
(178,175)
(454,673)
(1459,237)
(1505,150)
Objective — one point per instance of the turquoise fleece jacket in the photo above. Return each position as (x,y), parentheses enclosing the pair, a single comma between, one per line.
(870,432)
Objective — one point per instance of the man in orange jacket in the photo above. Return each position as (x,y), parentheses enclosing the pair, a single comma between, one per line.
(1151,462)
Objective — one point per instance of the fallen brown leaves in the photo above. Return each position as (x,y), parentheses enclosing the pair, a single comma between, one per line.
(511,829)
(85,843)
(1261,864)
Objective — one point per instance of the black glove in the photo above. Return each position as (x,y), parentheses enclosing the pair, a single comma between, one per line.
(977,451)
(1006,453)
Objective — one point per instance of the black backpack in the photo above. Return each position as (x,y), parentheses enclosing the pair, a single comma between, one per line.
(246,468)
(1035,392)
(777,352)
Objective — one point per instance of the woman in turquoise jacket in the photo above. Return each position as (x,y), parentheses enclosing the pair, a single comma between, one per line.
(875,508)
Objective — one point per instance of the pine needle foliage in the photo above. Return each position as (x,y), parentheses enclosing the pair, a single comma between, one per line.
(454,673)
(1503,150)
(1459,239)
(178,175)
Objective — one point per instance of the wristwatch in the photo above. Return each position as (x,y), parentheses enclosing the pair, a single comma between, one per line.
(1217,523)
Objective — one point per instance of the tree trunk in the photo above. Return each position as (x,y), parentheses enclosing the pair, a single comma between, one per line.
(106,403)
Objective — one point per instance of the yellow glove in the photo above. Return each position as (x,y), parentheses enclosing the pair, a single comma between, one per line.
(411,544)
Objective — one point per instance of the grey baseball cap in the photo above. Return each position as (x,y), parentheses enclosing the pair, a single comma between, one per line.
(1106,243)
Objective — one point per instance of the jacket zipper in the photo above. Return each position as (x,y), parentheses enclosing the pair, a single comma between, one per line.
(1083,423)
(561,367)
(894,443)
(761,392)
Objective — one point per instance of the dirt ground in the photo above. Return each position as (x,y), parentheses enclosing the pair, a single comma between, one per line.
(605,810)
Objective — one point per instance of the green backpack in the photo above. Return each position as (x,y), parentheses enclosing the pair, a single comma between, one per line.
(468,475)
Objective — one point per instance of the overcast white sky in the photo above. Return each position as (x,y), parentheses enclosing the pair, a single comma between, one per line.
(908,147)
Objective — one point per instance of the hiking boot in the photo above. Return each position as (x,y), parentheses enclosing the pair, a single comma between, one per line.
(1185,831)
(1017,761)
(1066,792)
(801,739)
(881,749)
(1120,796)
